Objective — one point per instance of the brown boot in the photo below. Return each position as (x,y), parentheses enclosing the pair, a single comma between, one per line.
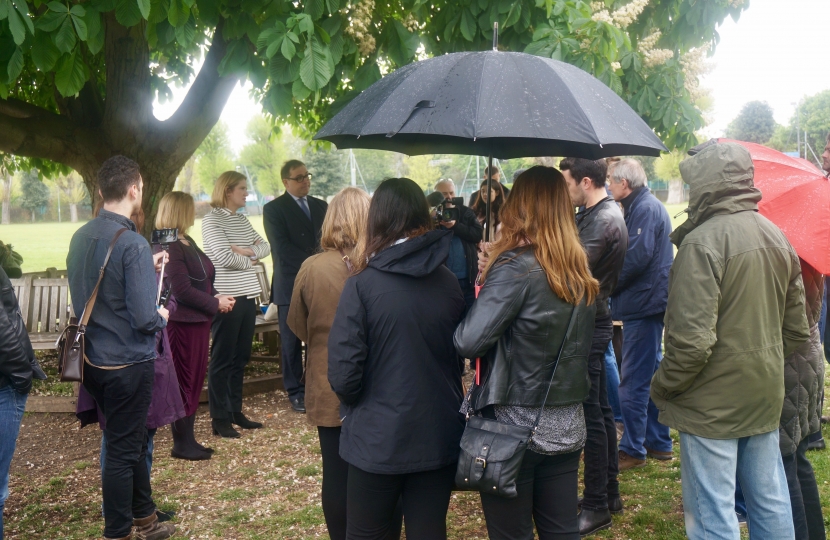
(149,528)
(130,537)
(630,462)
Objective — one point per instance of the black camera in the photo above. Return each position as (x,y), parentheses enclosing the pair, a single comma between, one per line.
(165,237)
(445,209)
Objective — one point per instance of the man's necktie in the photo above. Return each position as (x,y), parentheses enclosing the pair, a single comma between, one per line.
(304,205)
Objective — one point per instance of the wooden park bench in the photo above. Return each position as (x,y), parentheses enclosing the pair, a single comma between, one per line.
(45,307)
(269,331)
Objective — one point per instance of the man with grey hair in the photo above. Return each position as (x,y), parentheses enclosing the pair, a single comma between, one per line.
(639,301)
(467,233)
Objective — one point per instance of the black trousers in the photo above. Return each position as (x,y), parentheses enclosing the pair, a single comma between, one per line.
(124,395)
(335,477)
(291,350)
(807,517)
(375,501)
(601,457)
(233,335)
(547,494)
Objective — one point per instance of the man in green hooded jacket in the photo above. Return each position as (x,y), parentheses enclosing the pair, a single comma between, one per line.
(735,311)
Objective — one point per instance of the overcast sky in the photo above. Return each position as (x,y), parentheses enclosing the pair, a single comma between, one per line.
(773,53)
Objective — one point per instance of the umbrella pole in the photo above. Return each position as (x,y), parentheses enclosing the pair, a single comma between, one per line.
(489,196)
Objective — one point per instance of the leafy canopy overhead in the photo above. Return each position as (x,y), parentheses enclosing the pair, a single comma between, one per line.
(307,58)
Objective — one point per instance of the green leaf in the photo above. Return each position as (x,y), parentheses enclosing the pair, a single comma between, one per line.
(174,13)
(332,24)
(15,64)
(305,23)
(127,12)
(274,46)
(281,99)
(5,7)
(17,27)
(144,8)
(44,52)
(57,7)
(235,58)
(402,44)
(186,32)
(208,11)
(299,90)
(366,75)
(315,67)
(78,10)
(333,6)
(70,75)
(65,37)
(315,8)
(336,48)
(95,31)
(468,25)
(80,27)
(513,15)
(23,10)
(288,49)
(282,71)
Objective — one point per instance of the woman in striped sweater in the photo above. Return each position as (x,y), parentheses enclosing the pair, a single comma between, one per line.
(234,248)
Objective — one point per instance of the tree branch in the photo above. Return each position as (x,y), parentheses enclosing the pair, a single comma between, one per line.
(202,106)
(30,131)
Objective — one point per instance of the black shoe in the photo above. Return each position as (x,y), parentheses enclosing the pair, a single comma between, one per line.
(224,429)
(240,420)
(816,445)
(591,521)
(298,404)
(184,445)
(165,516)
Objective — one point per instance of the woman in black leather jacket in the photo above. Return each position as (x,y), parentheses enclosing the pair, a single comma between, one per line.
(536,276)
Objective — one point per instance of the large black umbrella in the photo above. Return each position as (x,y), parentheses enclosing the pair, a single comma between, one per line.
(499,104)
(492,103)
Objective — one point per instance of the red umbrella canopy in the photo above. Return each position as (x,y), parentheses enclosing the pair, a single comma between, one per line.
(796,197)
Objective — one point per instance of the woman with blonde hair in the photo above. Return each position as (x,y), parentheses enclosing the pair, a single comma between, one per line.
(189,274)
(234,247)
(316,294)
(535,281)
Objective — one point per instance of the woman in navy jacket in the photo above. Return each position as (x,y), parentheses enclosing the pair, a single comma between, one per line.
(393,365)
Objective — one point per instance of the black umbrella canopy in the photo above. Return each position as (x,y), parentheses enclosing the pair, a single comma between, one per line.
(502,104)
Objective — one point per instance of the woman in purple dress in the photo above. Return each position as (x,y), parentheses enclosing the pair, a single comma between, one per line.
(190,274)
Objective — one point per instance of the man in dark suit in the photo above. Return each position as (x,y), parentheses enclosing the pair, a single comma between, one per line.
(293,223)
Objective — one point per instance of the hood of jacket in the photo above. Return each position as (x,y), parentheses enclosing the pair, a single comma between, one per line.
(417,257)
(720,181)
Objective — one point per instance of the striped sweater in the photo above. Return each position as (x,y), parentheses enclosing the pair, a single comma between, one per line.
(235,274)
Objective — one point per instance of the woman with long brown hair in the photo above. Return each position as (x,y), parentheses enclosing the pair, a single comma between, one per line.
(537,276)
(316,293)
(480,207)
(393,366)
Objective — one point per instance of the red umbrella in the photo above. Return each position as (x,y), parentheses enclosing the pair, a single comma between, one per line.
(796,197)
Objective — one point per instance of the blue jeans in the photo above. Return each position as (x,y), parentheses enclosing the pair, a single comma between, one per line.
(12,405)
(708,470)
(613,382)
(641,356)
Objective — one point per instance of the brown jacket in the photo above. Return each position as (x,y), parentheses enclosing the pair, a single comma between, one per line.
(316,294)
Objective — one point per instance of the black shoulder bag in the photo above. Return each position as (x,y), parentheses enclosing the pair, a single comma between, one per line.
(492,451)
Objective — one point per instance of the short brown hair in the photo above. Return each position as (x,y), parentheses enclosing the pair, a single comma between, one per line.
(285,170)
(227,180)
(116,176)
(176,211)
(495,171)
(345,222)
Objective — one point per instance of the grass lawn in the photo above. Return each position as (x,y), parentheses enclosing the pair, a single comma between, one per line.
(44,245)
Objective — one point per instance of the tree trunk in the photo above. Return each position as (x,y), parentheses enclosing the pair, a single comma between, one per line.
(33,215)
(7,198)
(73,213)
(675,192)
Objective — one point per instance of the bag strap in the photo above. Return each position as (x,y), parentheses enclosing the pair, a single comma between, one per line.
(94,296)
(555,365)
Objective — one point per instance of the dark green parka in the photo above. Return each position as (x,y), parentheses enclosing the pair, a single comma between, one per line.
(735,309)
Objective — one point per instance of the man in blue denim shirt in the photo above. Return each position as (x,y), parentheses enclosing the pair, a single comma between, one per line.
(120,345)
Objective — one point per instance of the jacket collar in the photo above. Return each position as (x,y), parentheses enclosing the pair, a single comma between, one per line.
(635,194)
(118,218)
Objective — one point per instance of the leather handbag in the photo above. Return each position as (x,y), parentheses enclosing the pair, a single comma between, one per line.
(492,451)
(71,342)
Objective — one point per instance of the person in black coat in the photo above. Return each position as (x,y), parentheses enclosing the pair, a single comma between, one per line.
(293,224)
(394,368)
